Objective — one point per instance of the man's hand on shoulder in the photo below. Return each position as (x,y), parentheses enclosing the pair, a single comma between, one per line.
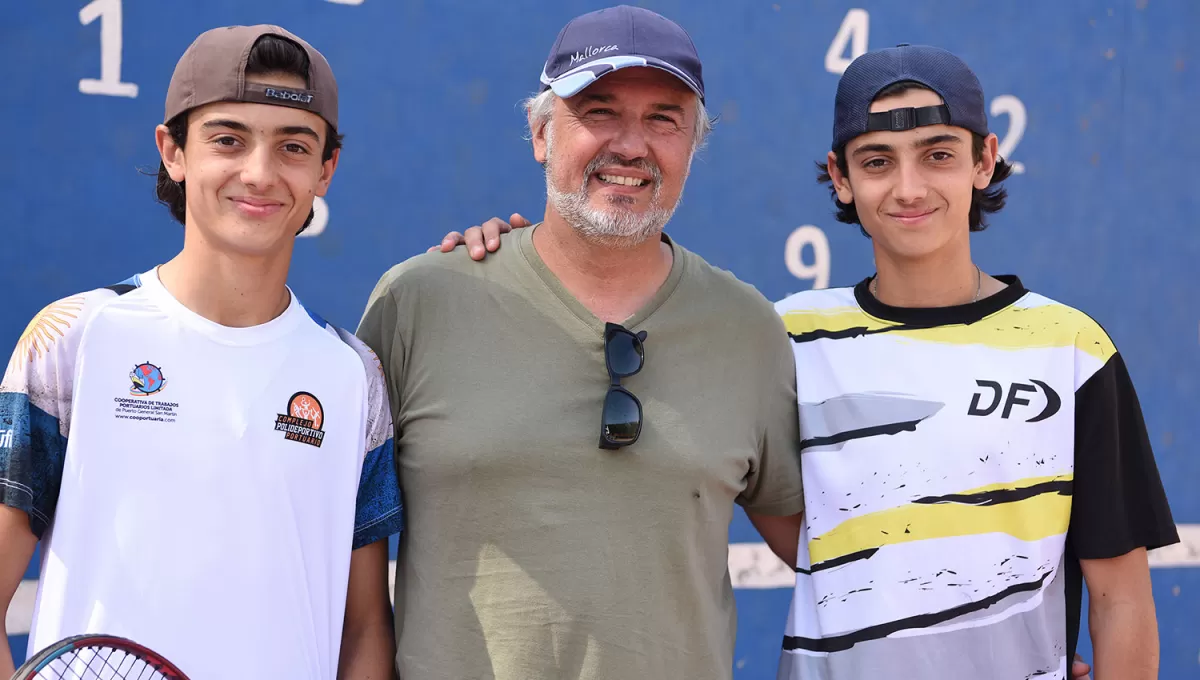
(481,239)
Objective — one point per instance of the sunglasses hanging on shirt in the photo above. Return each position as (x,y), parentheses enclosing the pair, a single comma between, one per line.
(621,420)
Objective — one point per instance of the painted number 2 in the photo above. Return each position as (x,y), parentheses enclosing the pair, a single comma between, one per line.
(109,13)
(1010,105)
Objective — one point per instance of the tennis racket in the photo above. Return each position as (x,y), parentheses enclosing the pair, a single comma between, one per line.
(97,657)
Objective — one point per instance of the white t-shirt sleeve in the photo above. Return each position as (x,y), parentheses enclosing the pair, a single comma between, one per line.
(379,508)
(35,407)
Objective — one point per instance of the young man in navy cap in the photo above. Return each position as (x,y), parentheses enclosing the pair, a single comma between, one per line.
(569,504)
(207,463)
(972,451)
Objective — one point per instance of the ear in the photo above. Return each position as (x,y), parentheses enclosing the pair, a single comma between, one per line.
(539,139)
(841,183)
(170,152)
(327,169)
(986,167)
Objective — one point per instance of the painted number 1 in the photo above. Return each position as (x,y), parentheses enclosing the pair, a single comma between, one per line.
(109,13)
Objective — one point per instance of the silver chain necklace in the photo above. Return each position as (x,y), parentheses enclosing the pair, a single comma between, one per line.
(978,285)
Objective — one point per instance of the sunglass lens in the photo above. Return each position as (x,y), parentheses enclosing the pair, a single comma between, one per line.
(622,418)
(624,352)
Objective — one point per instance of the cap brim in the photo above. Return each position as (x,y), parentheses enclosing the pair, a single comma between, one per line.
(574,81)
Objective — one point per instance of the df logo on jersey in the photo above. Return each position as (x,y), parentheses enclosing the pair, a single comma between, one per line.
(147,379)
(303,420)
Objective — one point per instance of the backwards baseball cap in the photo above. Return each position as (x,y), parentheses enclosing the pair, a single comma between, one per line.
(597,43)
(935,68)
(213,69)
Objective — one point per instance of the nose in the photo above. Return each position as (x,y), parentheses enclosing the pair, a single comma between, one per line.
(910,185)
(259,169)
(630,141)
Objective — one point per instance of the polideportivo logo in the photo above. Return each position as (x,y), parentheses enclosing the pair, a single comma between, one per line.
(303,420)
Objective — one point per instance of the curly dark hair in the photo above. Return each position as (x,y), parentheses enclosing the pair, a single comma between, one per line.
(983,201)
(271,54)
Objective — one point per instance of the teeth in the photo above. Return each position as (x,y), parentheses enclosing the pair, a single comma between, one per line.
(621,179)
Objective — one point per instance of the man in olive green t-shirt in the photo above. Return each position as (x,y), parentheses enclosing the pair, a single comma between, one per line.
(577,415)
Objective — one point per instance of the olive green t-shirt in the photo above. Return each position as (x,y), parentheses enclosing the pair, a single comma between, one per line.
(530,553)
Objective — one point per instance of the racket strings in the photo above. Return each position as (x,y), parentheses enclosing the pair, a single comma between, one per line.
(99,663)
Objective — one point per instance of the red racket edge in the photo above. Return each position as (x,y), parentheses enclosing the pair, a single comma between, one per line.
(30,668)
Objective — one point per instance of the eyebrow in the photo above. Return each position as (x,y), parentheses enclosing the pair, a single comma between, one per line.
(242,127)
(298,130)
(919,144)
(223,123)
(938,139)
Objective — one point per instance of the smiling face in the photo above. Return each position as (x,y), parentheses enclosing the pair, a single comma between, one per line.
(913,189)
(617,155)
(252,171)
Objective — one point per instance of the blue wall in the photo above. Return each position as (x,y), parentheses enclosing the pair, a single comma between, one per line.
(1103,217)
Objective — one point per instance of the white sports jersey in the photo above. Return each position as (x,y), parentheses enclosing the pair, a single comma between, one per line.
(958,463)
(197,488)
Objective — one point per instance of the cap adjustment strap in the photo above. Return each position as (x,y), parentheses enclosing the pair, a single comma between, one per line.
(898,120)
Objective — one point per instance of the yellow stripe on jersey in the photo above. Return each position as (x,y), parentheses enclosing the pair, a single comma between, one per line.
(1012,328)
(1028,519)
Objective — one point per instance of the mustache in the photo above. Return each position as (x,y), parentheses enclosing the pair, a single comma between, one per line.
(611,159)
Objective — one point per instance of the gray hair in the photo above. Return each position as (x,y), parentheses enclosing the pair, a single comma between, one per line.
(539,108)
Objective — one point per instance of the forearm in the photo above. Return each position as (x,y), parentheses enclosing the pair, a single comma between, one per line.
(16,548)
(368,653)
(6,658)
(1125,640)
(368,642)
(782,535)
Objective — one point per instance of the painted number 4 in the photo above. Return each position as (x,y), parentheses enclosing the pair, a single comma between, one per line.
(109,13)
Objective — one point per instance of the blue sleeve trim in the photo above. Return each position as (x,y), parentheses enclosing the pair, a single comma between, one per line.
(32,453)
(379,511)
(315,317)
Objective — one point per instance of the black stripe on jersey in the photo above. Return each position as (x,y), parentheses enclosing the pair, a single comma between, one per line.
(998,496)
(855,332)
(840,643)
(121,288)
(873,431)
(838,561)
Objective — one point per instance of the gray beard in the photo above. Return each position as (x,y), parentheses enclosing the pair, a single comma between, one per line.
(617,225)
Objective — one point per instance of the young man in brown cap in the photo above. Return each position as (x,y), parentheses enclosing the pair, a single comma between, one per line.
(209,464)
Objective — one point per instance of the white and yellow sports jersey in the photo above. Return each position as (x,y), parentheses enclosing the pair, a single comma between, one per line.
(197,488)
(958,463)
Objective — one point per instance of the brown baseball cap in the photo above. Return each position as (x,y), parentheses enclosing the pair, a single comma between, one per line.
(213,69)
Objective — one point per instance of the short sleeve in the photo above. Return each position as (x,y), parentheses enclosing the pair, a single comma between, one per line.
(1118,499)
(35,409)
(378,331)
(774,486)
(379,507)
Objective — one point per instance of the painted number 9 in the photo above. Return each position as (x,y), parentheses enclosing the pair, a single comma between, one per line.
(793,255)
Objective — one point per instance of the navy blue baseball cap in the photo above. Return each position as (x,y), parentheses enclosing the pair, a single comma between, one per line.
(935,68)
(595,44)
